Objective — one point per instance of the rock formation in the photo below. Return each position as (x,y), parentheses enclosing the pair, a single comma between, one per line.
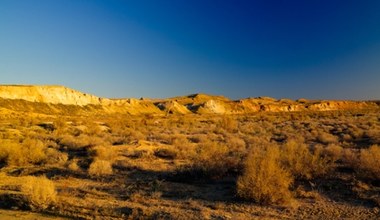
(197,103)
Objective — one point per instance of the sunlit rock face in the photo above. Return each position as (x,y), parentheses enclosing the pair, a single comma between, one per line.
(197,103)
(48,94)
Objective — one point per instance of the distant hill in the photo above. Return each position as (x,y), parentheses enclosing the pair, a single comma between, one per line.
(58,99)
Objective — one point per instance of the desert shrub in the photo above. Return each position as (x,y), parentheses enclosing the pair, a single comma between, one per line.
(185,151)
(82,141)
(369,162)
(321,163)
(334,151)
(210,161)
(30,151)
(93,129)
(34,150)
(304,163)
(350,158)
(59,126)
(73,165)
(213,160)
(104,153)
(229,124)
(264,180)
(295,157)
(235,143)
(7,148)
(100,168)
(39,192)
(327,138)
(179,139)
(55,157)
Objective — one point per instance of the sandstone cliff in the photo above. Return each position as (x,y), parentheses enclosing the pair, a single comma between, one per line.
(47,96)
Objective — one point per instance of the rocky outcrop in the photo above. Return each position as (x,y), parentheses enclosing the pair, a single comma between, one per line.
(173,107)
(213,106)
(340,105)
(197,103)
(48,94)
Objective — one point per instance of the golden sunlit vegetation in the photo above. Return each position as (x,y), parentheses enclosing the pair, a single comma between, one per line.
(119,166)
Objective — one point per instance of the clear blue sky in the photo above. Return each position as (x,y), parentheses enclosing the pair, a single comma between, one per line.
(285,49)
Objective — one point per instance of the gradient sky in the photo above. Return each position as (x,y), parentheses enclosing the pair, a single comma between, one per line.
(285,49)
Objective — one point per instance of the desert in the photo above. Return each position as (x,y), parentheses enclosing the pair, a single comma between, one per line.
(69,155)
(189,110)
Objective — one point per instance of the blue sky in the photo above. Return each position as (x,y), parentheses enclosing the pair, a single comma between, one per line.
(284,49)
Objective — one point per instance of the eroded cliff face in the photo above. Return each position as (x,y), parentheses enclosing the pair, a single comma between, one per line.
(48,94)
(197,103)
(66,96)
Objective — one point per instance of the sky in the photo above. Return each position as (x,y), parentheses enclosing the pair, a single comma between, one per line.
(315,49)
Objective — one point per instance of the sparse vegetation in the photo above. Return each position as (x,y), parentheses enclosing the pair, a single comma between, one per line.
(188,166)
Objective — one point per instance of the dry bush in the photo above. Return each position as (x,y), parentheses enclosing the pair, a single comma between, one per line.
(35,150)
(213,160)
(8,148)
(82,141)
(320,163)
(56,157)
(264,180)
(93,129)
(302,162)
(235,143)
(178,139)
(59,126)
(350,158)
(73,165)
(327,138)
(104,153)
(369,162)
(210,161)
(31,151)
(334,151)
(296,157)
(229,124)
(39,191)
(100,168)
